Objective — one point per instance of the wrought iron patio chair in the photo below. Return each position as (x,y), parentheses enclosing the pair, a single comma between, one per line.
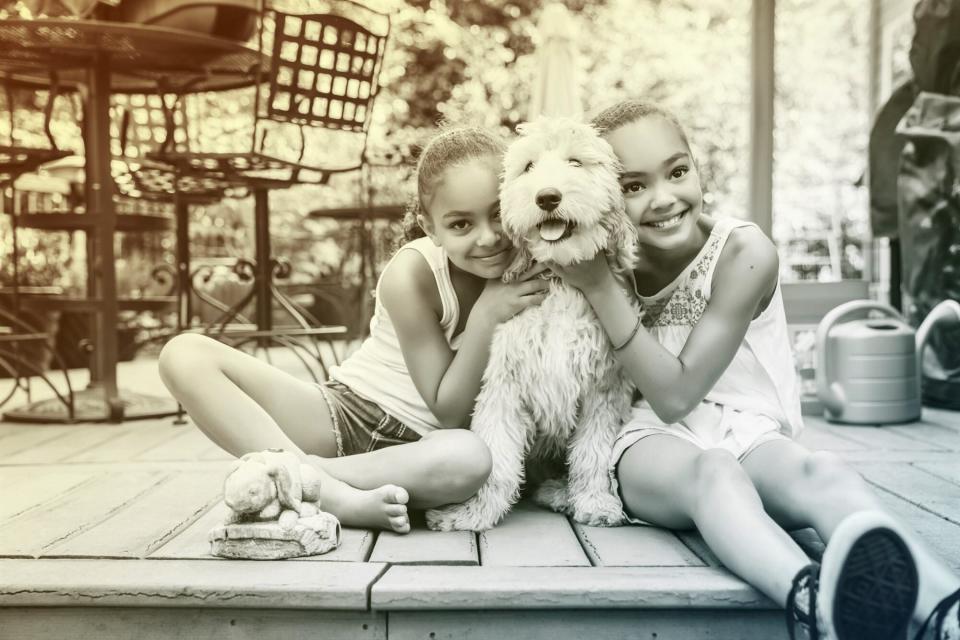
(323,74)
(22,343)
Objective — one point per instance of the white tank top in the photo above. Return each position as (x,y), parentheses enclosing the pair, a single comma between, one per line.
(377,370)
(761,378)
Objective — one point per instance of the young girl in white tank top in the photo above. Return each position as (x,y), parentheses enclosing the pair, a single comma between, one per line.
(388,429)
(710,444)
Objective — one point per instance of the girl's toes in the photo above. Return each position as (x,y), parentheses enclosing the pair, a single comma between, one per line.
(396,509)
(401,496)
(400,524)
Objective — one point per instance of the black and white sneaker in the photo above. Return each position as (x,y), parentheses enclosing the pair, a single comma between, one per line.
(802,622)
(944,620)
(868,580)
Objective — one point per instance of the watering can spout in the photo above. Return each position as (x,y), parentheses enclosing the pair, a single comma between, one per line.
(947,311)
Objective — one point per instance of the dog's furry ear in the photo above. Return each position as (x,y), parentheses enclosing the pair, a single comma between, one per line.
(622,243)
(521,262)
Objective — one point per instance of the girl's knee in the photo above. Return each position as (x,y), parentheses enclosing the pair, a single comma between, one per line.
(463,461)
(182,354)
(717,467)
(717,472)
(827,471)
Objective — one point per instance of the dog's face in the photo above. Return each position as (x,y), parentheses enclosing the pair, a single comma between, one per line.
(560,198)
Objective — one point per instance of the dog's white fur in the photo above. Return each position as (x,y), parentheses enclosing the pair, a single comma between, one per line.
(552,386)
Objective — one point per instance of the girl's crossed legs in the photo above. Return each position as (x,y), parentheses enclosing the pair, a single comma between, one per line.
(743,509)
(244,404)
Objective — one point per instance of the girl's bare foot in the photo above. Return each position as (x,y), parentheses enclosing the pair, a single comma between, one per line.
(381,508)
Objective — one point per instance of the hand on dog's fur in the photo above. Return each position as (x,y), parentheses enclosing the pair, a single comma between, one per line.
(502,300)
(588,275)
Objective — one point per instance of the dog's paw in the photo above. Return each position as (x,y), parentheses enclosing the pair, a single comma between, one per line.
(553,494)
(598,510)
(467,516)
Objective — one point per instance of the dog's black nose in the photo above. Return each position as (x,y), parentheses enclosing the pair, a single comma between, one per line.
(549,199)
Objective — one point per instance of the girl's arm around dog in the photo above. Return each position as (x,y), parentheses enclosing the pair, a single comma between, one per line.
(448,380)
(744,280)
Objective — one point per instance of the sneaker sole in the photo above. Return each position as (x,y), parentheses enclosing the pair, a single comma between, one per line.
(876,590)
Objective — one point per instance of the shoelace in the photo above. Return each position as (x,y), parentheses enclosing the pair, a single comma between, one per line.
(939,614)
(809,618)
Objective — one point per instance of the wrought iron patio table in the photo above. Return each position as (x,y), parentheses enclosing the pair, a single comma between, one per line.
(103,58)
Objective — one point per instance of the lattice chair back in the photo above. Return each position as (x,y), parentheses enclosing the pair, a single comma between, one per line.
(324,69)
(144,124)
(17,158)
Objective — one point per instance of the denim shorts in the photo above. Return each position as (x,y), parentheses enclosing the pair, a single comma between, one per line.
(360,425)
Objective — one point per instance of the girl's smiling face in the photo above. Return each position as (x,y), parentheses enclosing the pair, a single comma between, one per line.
(660,182)
(463,217)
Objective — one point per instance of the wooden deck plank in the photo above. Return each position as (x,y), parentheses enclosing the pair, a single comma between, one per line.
(938,435)
(815,437)
(868,455)
(881,438)
(213,452)
(29,438)
(186,583)
(72,514)
(189,445)
(355,546)
(635,546)
(77,441)
(148,522)
(695,542)
(432,587)
(9,429)
(123,623)
(193,543)
(946,470)
(422,546)
(940,535)
(916,486)
(606,624)
(29,492)
(532,537)
(942,417)
(129,445)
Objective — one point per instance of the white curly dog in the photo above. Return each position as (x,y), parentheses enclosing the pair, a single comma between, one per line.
(552,386)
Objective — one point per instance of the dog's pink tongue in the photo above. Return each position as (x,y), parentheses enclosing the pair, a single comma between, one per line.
(552,230)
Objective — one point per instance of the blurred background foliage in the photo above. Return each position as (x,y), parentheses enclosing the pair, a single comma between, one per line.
(474,62)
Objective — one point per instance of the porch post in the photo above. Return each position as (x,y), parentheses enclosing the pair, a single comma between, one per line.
(761,114)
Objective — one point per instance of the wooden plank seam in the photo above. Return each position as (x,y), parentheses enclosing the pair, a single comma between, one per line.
(65,494)
(89,525)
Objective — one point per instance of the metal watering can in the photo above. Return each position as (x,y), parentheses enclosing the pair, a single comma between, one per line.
(869,370)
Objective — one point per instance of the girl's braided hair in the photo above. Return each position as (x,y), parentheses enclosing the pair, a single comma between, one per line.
(451,147)
(631,110)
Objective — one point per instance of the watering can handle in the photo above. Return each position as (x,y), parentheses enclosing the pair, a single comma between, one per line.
(946,310)
(832,395)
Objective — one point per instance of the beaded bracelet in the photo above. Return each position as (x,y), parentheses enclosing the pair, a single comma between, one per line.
(630,337)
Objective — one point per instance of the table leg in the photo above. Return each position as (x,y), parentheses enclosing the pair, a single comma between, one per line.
(263,259)
(184,281)
(101,204)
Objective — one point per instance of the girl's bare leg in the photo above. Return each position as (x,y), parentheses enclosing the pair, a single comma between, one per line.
(800,488)
(669,482)
(244,405)
(444,466)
